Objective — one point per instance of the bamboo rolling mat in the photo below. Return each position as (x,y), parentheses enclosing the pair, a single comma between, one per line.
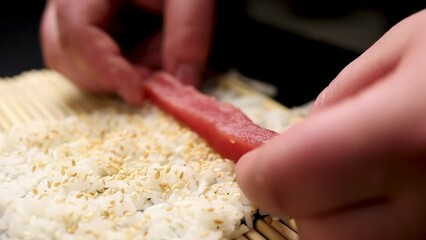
(45,95)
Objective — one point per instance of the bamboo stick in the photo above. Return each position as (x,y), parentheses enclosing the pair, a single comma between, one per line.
(283,229)
(267,231)
(241,238)
(254,235)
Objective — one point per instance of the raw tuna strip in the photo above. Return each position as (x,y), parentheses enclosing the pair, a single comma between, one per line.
(228,130)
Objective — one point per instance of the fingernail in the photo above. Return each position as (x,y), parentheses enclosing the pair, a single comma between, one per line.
(188,73)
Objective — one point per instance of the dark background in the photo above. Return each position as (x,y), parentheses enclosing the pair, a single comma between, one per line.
(19,42)
(301,67)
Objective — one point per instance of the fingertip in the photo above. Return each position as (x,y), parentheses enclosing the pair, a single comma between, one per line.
(132,90)
(132,97)
(121,77)
(243,170)
(254,179)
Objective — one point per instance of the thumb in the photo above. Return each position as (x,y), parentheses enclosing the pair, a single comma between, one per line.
(344,156)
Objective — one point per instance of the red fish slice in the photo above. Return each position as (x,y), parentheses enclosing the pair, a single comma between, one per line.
(228,130)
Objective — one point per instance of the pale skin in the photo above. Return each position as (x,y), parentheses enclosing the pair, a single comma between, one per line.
(76,42)
(354,169)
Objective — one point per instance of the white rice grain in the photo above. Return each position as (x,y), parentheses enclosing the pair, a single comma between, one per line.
(116,175)
(122,174)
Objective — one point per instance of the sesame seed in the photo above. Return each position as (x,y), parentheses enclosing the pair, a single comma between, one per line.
(128,163)
(218,221)
(72,228)
(127,213)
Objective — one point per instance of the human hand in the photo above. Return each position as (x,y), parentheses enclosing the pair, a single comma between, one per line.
(77,40)
(356,167)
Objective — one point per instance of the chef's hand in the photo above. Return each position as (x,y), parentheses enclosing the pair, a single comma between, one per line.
(77,41)
(356,167)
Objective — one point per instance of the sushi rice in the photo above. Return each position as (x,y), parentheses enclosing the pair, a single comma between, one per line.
(121,173)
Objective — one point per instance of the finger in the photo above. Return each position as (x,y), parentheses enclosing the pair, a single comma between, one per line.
(53,55)
(93,51)
(372,65)
(346,156)
(187,37)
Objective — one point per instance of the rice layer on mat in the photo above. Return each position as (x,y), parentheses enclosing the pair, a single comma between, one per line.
(117,173)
